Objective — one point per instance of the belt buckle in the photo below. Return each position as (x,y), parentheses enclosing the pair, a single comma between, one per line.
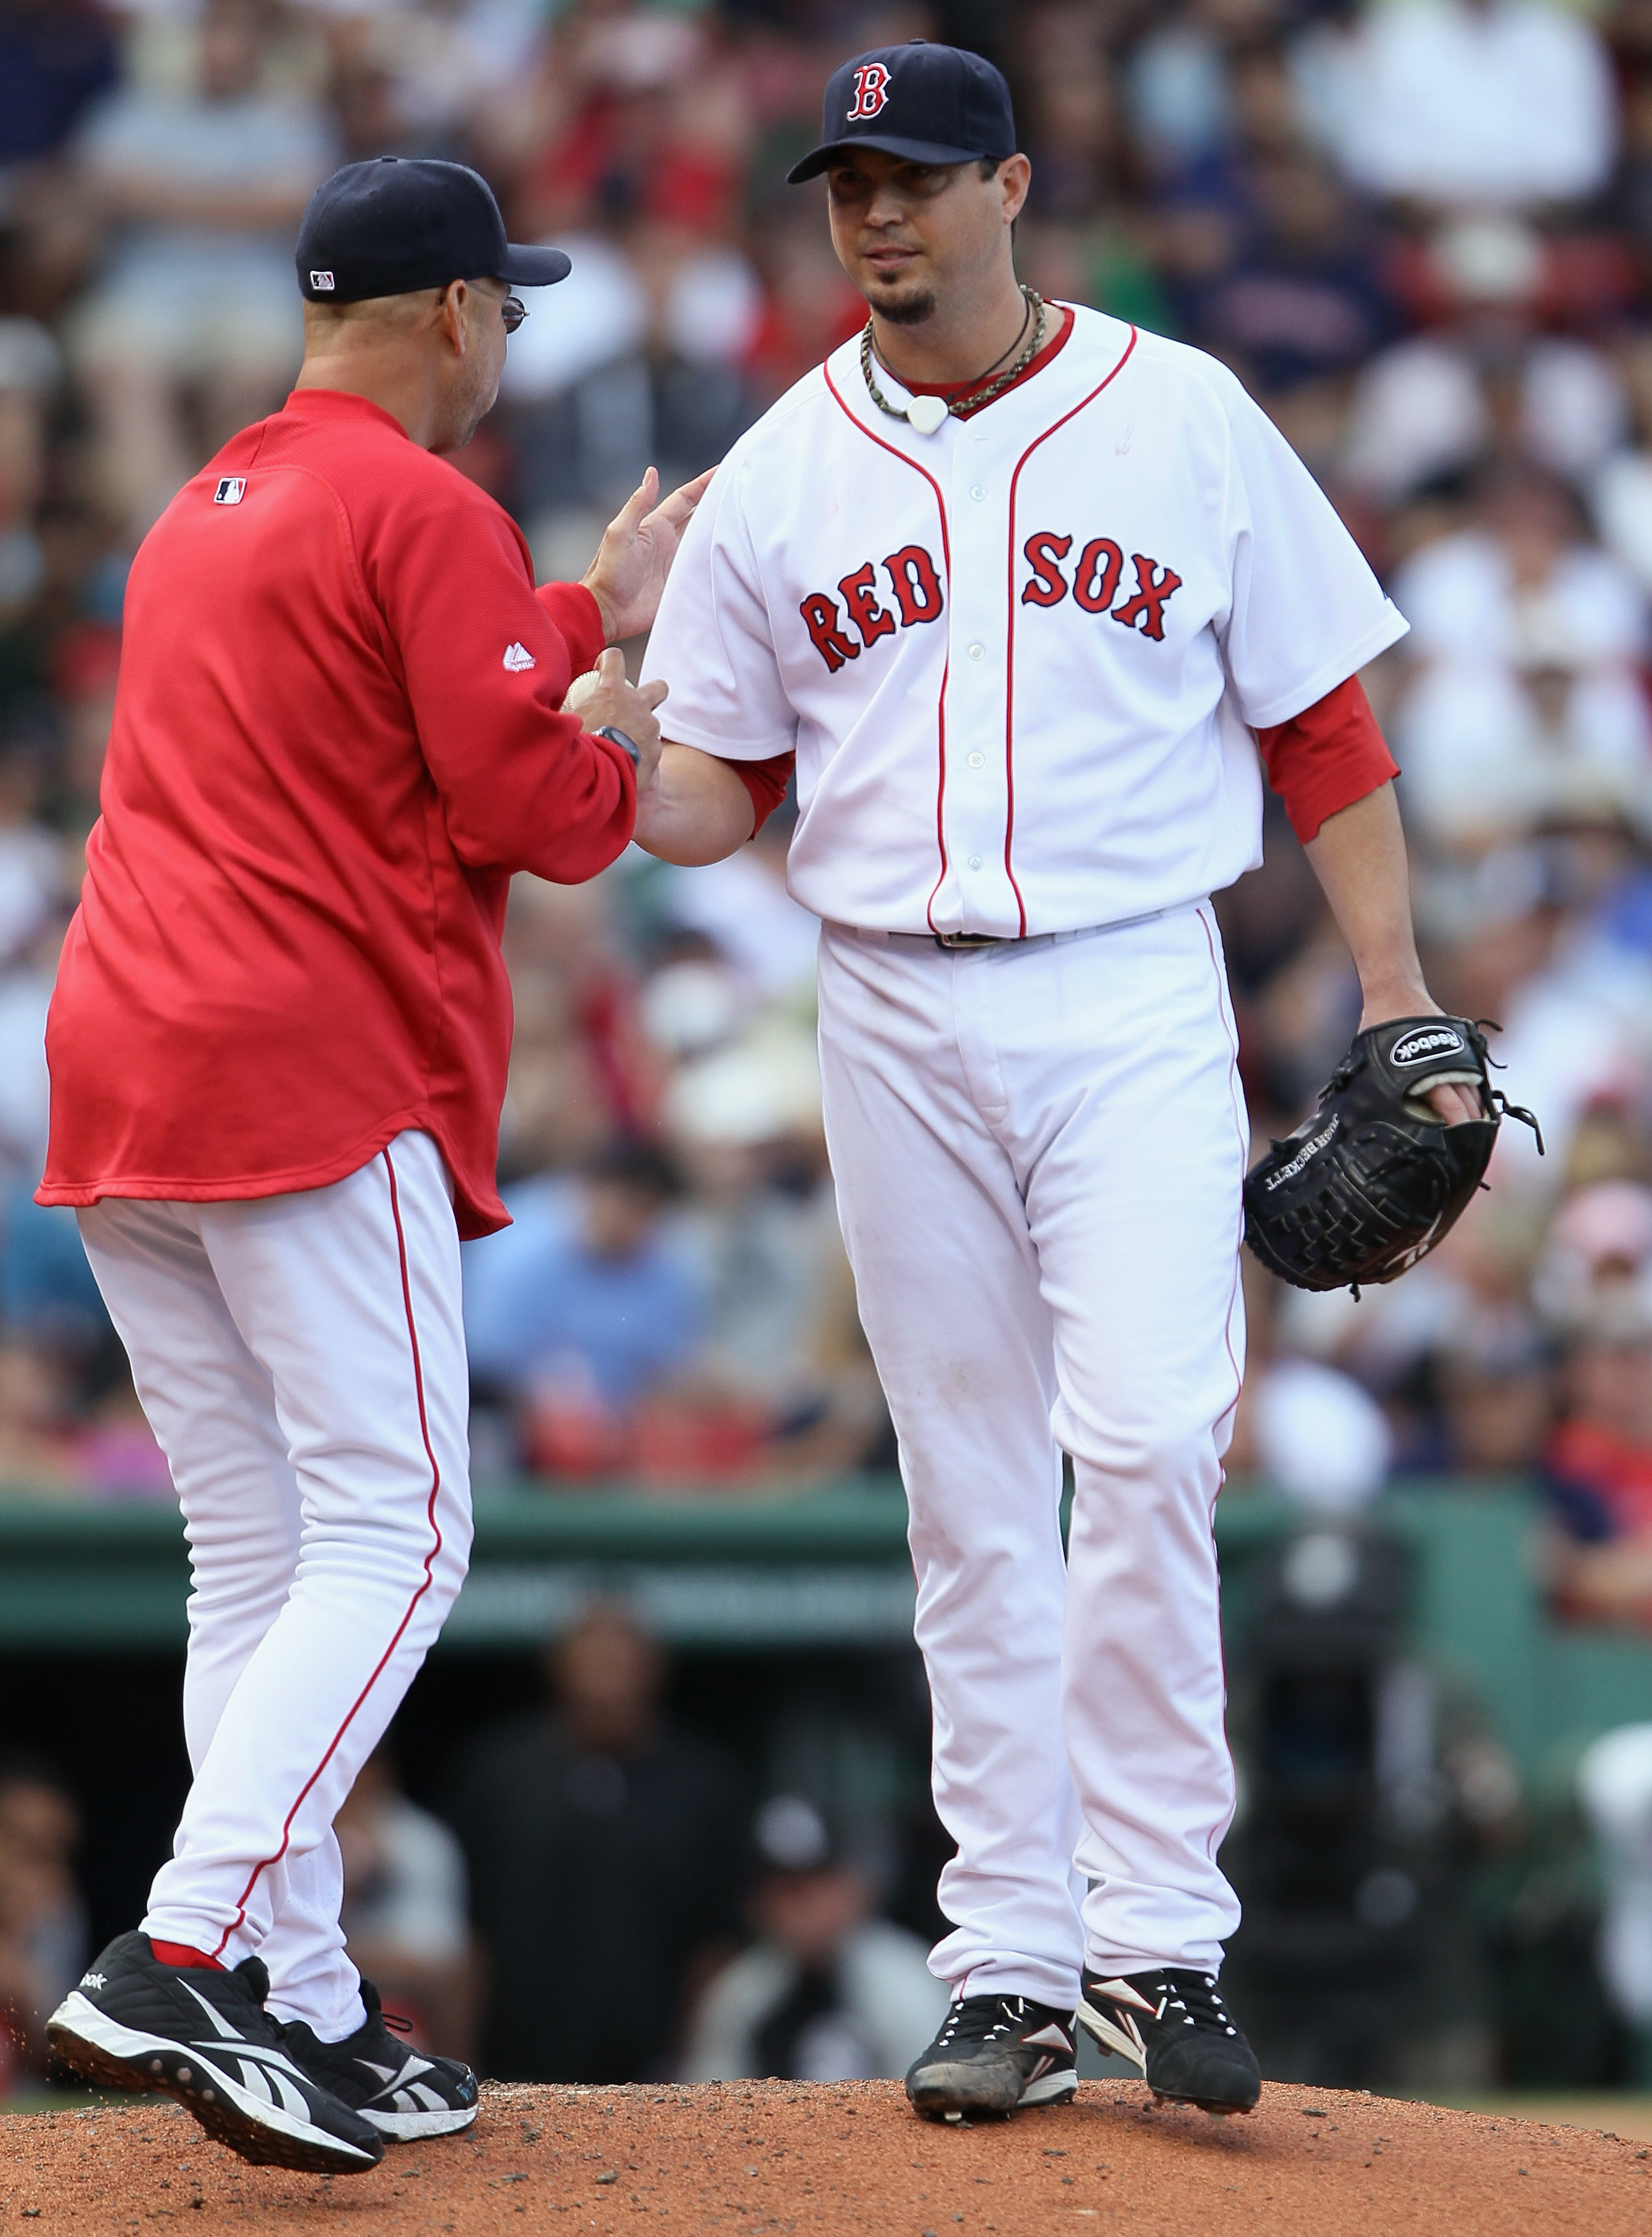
(968,939)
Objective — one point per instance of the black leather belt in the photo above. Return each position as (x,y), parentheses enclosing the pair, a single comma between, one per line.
(972,940)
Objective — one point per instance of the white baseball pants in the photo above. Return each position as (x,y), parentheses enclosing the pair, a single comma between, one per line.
(1039,1148)
(301,1361)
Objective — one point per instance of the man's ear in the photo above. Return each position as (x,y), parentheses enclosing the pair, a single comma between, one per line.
(450,316)
(1016,177)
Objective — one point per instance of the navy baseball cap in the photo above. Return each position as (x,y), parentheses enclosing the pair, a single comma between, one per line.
(396,224)
(930,104)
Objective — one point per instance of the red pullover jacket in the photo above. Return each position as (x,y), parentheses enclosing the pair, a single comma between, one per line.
(336,735)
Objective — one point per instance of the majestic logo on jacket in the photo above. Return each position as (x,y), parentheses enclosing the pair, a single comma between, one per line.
(1095,580)
(517,656)
(917,589)
(871,91)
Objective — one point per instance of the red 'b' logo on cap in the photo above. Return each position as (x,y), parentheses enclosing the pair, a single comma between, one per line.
(872,89)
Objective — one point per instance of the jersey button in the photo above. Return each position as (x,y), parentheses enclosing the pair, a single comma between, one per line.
(977,652)
(978,761)
(978,493)
(975,861)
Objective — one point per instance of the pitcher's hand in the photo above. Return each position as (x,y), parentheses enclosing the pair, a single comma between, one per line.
(1450,1102)
(634,556)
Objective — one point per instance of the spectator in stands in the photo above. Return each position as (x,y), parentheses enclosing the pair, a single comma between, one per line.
(743,1122)
(603,1846)
(780,1384)
(582,1069)
(34,1399)
(1615,1788)
(85,662)
(43,1920)
(583,1307)
(1599,1463)
(31,863)
(203,192)
(1525,707)
(1479,103)
(1497,1397)
(405,1914)
(1302,297)
(828,1991)
(437,71)
(1485,384)
(56,56)
(29,369)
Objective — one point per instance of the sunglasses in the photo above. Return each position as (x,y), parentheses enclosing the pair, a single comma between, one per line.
(513,311)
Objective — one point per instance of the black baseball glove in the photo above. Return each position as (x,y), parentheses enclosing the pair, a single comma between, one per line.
(1369,1184)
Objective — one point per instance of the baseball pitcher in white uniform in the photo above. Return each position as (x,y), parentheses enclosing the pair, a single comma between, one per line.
(1031,597)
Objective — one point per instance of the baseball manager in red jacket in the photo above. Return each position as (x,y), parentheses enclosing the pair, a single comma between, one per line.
(278,1052)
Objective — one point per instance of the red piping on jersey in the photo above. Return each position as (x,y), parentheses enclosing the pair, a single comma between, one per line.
(946,561)
(1215,1841)
(1244,1160)
(1009,648)
(436,1546)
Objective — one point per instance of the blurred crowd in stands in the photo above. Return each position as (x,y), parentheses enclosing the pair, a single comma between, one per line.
(1422,234)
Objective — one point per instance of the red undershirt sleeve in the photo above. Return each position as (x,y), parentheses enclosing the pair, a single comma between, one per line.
(766,782)
(1326,757)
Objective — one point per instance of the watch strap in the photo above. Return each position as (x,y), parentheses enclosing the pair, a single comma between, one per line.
(626,745)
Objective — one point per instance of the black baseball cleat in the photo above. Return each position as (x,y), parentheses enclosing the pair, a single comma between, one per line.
(993,2054)
(204,2038)
(404,2093)
(1173,2024)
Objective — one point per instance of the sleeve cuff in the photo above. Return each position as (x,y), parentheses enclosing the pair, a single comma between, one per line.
(577,615)
(1285,706)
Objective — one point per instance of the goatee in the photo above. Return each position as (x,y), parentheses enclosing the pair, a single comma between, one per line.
(906,310)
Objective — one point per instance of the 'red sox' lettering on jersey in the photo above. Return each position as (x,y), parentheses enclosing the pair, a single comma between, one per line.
(1095,578)
(1022,659)
(915,584)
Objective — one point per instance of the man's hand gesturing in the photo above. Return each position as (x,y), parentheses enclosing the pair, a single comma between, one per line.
(634,557)
(603,697)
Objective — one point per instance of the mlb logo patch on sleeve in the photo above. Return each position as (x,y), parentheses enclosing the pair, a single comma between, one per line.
(230,490)
(517,656)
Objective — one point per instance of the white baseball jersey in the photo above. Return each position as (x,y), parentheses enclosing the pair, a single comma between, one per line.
(1019,659)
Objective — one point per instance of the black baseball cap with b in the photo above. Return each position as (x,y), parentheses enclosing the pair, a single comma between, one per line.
(396,224)
(928,104)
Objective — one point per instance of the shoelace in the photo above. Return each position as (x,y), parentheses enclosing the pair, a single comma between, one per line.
(1196,1997)
(1010,2009)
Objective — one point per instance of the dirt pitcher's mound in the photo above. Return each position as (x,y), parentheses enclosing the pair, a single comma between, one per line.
(764,2159)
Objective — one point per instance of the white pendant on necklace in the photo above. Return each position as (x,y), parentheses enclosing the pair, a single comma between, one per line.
(926,413)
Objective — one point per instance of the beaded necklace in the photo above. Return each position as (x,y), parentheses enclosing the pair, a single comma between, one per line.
(927,413)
